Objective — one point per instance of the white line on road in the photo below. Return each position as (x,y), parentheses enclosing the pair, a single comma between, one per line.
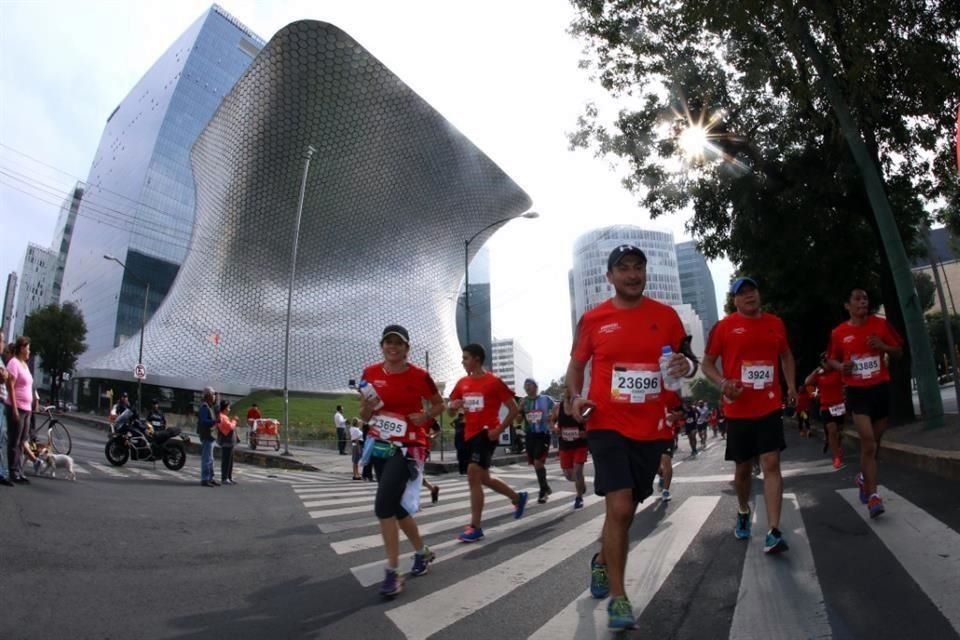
(928,549)
(110,471)
(648,566)
(429,511)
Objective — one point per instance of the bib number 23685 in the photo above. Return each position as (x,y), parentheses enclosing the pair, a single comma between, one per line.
(635,383)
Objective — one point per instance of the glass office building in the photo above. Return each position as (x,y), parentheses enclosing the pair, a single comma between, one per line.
(696,284)
(139,201)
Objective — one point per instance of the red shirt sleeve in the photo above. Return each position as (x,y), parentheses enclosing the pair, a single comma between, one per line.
(504,394)
(835,351)
(457,392)
(431,385)
(582,344)
(892,336)
(715,342)
(784,341)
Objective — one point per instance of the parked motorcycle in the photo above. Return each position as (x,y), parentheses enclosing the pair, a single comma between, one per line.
(131,439)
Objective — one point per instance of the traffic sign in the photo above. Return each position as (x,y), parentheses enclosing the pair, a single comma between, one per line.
(139,371)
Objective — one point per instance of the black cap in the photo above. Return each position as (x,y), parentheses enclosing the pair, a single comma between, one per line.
(395,330)
(624,250)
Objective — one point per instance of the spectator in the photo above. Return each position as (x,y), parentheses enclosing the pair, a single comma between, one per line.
(4,395)
(206,419)
(341,423)
(226,438)
(367,473)
(155,418)
(253,413)
(356,446)
(19,406)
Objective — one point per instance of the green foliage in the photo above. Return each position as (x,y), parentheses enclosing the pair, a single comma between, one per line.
(926,290)
(936,327)
(702,389)
(777,191)
(56,335)
(555,390)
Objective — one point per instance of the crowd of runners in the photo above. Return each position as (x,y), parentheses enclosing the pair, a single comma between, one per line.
(631,417)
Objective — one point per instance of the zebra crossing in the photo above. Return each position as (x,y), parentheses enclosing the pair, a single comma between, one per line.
(773,596)
(243,474)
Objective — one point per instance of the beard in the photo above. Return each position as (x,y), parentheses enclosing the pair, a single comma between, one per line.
(628,295)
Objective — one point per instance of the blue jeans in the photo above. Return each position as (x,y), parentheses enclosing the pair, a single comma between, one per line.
(206,460)
(4,469)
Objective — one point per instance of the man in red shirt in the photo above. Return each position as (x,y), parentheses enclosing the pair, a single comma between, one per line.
(753,349)
(481,394)
(627,430)
(859,349)
(832,409)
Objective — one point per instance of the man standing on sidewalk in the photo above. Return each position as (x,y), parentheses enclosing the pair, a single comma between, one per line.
(627,433)
(753,349)
(341,423)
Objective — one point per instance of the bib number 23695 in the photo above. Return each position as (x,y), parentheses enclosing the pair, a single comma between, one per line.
(389,425)
(635,383)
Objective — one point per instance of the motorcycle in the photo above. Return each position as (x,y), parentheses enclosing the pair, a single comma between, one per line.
(132,439)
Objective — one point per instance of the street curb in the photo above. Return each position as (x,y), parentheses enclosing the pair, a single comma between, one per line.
(262,459)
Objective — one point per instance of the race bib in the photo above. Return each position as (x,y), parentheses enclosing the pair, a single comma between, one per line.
(865,367)
(757,374)
(473,402)
(837,410)
(570,433)
(388,425)
(635,383)
(534,417)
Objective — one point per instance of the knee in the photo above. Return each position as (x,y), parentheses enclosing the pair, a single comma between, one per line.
(868,446)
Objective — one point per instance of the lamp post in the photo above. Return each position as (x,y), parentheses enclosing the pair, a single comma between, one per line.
(143,322)
(307,155)
(530,215)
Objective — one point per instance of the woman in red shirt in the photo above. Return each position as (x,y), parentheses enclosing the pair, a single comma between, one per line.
(832,409)
(399,401)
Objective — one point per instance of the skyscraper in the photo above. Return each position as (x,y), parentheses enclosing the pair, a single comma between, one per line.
(512,363)
(696,284)
(36,283)
(8,299)
(63,234)
(480,322)
(139,201)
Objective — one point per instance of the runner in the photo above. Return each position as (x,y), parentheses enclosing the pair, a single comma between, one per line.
(536,409)
(702,412)
(857,349)
(480,394)
(432,432)
(829,384)
(690,428)
(721,422)
(753,349)
(573,448)
(803,411)
(392,403)
(675,416)
(624,339)
(712,421)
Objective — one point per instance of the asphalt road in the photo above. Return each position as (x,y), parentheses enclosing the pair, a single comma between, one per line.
(146,553)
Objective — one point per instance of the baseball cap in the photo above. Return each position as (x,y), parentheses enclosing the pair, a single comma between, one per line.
(739,282)
(395,330)
(530,381)
(624,250)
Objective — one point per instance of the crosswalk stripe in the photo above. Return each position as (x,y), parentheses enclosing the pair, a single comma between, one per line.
(648,566)
(433,510)
(459,600)
(780,597)
(357,490)
(79,469)
(373,541)
(927,548)
(110,471)
(367,499)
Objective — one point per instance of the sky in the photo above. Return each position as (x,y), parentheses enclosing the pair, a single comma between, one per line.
(508,78)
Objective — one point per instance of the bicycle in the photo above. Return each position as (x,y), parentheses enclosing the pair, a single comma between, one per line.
(58,437)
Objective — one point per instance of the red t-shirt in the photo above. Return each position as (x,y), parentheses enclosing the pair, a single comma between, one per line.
(482,397)
(749,350)
(253,414)
(625,381)
(402,394)
(803,399)
(848,342)
(830,385)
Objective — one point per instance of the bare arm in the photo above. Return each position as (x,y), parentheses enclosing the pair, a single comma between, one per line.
(512,410)
(812,378)
(789,366)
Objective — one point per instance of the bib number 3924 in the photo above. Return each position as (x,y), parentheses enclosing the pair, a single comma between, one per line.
(756,375)
(635,383)
(389,425)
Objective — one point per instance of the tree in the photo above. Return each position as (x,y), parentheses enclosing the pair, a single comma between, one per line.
(938,338)
(56,335)
(702,389)
(555,390)
(926,291)
(776,189)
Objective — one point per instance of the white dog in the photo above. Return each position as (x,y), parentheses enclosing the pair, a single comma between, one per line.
(53,460)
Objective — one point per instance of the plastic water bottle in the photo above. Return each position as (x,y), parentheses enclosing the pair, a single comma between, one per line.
(367,391)
(669,382)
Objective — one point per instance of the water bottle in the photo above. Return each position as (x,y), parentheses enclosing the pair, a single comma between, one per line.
(367,391)
(669,382)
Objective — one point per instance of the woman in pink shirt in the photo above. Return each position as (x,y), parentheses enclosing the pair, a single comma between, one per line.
(19,406)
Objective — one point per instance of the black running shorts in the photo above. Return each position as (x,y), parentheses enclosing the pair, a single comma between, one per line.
(748,438)
(869,401)
(479,449)
(538,446)
(622,463)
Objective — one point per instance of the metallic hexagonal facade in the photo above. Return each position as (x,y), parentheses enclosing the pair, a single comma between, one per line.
(392,192)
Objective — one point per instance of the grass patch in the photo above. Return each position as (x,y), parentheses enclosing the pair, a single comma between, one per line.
(311,414)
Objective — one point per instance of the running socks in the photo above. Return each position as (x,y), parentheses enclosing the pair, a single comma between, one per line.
(542,480)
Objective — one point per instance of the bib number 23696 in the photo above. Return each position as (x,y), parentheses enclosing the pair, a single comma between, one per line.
(635,383)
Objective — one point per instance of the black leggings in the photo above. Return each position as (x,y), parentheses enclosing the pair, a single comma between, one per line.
(392,476)
(226,463)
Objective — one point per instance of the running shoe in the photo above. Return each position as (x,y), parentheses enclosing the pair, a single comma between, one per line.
(862,486)
(620,614)
(837,462)
(471,534)
(742,530)
(693,454)
(774,542)
(875,506)
(578,502)
(392,584)
(421,562)
(599,582)
(665,495)
(520,505)
(434,494)
(542,498)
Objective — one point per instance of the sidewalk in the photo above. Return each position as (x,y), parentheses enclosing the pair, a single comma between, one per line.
(310,458)
(936,451)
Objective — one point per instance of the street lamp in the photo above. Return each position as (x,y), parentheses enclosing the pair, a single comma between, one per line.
(530,215)
(293,272)
(143,321)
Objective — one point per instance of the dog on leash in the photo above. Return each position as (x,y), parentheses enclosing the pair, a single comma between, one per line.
(53,460)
